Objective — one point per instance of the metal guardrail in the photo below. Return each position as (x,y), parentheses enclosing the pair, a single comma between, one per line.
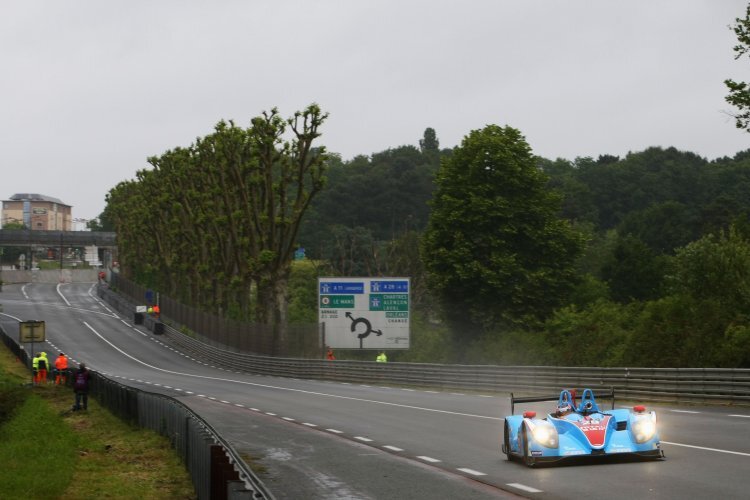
(673,385)
(215,467)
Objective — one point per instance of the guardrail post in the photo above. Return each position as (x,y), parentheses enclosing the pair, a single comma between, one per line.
(221,472)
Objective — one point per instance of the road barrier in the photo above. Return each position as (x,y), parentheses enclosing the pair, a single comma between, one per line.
(216,469)
(673,385)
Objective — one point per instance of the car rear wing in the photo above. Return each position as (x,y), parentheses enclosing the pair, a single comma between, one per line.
(601,394)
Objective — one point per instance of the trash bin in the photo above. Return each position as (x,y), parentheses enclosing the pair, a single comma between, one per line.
(158,328)
(138,318)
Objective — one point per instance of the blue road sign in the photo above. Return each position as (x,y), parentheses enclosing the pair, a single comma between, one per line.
(389,286)
(330,288)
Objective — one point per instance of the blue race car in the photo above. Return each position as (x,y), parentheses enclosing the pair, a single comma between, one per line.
(581,430)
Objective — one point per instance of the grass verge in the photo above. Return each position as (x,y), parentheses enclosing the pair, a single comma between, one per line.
(48,452)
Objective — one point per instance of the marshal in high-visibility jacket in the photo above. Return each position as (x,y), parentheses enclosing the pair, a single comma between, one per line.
(43,365)
(61,369)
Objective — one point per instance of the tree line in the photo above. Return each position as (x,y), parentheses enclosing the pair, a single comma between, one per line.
(636,261)
(641,260)
(602,262)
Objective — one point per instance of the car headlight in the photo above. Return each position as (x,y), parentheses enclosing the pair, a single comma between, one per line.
(545,434)
(644,429)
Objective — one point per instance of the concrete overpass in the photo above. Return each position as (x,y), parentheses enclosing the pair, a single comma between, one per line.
(101,248)
(57,239)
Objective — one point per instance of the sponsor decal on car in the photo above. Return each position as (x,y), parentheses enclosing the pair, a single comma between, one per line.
(595,429)
(536,453)
(569,453)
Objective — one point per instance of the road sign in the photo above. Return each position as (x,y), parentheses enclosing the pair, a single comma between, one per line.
(31,331)
(365,313)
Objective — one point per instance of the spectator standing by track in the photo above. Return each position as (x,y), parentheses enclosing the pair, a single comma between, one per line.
(81,387)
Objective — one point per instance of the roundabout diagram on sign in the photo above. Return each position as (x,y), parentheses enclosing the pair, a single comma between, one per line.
(355,326)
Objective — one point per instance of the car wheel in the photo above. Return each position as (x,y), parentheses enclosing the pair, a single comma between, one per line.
(506,434)
(528,460)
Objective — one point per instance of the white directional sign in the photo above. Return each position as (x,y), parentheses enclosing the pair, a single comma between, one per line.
(365,313)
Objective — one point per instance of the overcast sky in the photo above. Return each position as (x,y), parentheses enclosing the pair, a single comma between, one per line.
(90,89)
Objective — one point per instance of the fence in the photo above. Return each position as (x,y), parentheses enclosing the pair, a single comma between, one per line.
(295,340)
(676,385)
(216,469)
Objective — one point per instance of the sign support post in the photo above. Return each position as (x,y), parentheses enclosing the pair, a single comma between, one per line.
(31,332)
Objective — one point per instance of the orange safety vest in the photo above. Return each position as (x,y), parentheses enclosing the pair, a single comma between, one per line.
(61,363)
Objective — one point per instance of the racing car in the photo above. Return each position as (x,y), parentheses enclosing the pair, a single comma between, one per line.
(579,430)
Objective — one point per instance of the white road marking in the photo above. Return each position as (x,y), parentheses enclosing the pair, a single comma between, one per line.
(335,431)
(366,440)
(8,315)
(428,459)
(740,416)
(239,405)
(225,402)
(309,424)
(472,472)
(708,449)
(288,419)
(290,389)
(524,487)
(269,413)
(61,295)
(684,411)
(392,448)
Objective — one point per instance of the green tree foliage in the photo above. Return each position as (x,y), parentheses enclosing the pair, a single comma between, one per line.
(303,290)
(716,267)
(663,226)
(739,92)
(703,321)
(656,175)
(429,143)
(212,222)
(633,271)
(595,336)
(387,193)
(493,249)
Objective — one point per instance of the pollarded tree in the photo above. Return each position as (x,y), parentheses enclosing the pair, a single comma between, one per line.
(495,251)
(230,208)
